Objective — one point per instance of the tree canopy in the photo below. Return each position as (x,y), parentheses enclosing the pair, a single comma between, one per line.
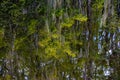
(59,40)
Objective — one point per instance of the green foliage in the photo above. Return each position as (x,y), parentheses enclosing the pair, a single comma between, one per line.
(98,4)
(53,39)
(7,77)
(32,26)
(80,18)
(69,52)
(68,23)
(59,12)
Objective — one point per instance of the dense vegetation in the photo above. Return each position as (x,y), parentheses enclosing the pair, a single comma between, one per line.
(59,39)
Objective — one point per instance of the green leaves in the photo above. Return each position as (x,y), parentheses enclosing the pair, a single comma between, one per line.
(59,12)
(51,52)
(98,4)
(68,22)
(52,39)
(32,26)
(1,37)
(80,18)
(69,52)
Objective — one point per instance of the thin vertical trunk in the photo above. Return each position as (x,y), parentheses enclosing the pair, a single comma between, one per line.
(118,8)
(80,5)
(106,9)
(89,30)
(58,18)
(12,50)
